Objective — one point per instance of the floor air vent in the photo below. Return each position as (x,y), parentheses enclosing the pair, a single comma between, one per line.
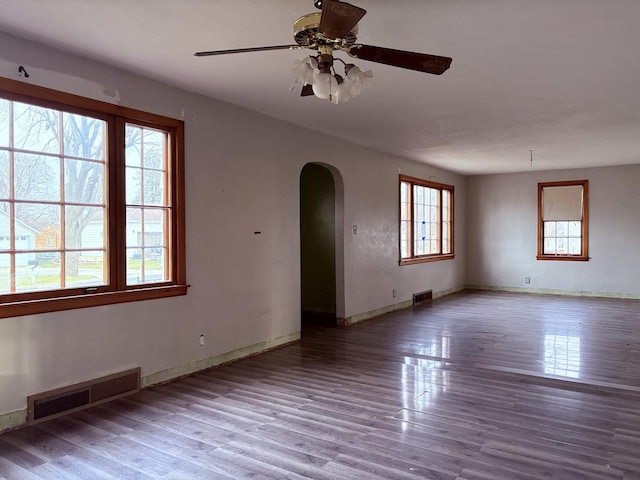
(422,297)
(61,401)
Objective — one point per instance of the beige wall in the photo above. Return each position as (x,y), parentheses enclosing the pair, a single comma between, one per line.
(502,233)
(242,175)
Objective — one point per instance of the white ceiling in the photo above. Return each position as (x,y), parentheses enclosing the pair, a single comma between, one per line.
(559,77)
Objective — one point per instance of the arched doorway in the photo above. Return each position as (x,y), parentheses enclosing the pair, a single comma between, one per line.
(321,245)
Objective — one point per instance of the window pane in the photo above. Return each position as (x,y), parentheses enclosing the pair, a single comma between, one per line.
(134,266)
(153,149)
(83,181)
(83,136)
(146,265)
(575,229)
(575,246)
(85,269)
(549,229)
(34,275)
(4,174)
(4,126)
(36,128)
(134,227)
(36,177)
(76,218)
(404,239)
(85,227)
(133,146)
(154,192)
(5,280)
(30,218)
(549,246)
(562,246)
(154,265)
(49,236)
(134,186)
(5,240)
(404,211)
(446,238)
(562,229)
(154,228)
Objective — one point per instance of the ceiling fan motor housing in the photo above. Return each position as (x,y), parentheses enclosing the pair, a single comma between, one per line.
(306,34)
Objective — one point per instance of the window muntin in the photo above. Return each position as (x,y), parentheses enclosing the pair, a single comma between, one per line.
(563,220)
(426,220)
(76,176)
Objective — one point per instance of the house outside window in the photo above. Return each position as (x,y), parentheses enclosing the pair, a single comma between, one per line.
(563,220)
(426,220)
(75,176)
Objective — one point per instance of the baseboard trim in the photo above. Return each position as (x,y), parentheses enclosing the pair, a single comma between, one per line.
(12,420)
(547,291)
(361,317)
(174,373)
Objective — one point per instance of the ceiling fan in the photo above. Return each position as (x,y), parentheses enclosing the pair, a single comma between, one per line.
(335,28)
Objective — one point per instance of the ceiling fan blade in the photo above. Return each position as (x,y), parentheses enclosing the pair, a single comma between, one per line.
(245,50)
(339,18)
(421,62)
(307,90)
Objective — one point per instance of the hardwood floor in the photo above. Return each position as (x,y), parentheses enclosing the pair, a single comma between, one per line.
(476,386)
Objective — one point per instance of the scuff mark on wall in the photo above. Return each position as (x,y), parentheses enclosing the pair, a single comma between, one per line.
(61,81)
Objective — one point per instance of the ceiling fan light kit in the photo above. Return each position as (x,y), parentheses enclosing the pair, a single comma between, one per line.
(326,83)
(336,29)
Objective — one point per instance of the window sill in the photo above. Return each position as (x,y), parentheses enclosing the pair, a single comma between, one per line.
(31,307)
(430,258)
(565,258)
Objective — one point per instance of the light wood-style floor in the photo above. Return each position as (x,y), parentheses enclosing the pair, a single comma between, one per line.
(476,386)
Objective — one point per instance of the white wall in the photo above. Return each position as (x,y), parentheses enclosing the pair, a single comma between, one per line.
(242,175)
(502,233)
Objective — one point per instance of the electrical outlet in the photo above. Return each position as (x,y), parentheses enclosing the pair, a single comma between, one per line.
(202,340)
(394,294)
(355,229)
(527,279)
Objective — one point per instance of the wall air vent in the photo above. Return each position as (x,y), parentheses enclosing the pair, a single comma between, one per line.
(61,401)
(423,297)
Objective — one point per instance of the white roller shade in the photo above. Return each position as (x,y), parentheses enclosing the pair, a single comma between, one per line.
(562,203)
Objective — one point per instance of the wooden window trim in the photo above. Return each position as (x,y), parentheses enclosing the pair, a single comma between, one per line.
(413,259)
(117,292)
(584,256)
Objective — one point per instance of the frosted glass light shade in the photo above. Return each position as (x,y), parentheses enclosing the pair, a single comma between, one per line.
(325,86)
(304,72)
(343,93)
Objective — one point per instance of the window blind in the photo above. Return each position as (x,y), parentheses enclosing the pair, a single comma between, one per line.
(562,203)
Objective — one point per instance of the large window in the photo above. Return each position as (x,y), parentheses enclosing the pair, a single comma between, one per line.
(91,202)
(563,220)
(426,220)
